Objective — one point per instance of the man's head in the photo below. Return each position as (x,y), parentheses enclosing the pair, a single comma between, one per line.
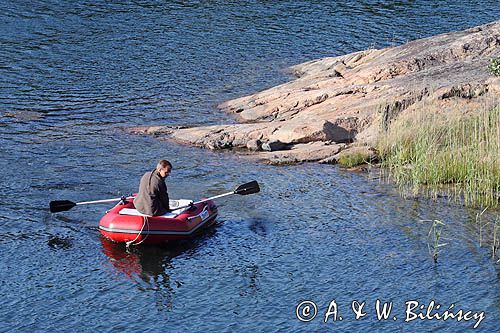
(164,167)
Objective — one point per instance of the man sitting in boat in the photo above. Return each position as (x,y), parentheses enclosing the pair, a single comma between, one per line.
(152,198)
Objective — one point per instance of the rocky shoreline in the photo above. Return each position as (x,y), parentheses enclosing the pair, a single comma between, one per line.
(340,104)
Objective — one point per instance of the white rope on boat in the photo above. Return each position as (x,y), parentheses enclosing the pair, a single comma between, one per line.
(145,222)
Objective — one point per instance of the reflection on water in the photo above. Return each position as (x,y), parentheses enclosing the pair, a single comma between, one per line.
(148,266)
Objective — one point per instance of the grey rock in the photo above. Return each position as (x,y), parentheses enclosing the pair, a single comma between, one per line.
(254,145)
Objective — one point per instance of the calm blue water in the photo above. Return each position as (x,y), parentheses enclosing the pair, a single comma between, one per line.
(74,74)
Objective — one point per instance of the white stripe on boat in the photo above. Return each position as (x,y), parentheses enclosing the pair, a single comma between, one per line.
(158,232)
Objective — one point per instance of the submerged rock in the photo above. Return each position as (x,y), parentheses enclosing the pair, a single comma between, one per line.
(24,115)
(351,98)
(57,242)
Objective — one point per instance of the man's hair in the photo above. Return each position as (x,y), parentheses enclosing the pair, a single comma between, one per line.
(163,164)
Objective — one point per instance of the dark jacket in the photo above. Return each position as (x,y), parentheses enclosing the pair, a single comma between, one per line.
(152,198)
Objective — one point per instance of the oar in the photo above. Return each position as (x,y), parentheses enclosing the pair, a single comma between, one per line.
(63,205)
(245,189)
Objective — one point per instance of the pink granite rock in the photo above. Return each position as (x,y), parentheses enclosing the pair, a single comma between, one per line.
(351,97)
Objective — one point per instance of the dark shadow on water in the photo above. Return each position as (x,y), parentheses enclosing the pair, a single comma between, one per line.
(258,226)
(58,242)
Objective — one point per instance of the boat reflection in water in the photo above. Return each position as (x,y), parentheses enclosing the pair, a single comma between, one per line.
(148,266)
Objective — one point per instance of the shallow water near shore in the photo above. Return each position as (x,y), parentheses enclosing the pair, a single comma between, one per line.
(74,76)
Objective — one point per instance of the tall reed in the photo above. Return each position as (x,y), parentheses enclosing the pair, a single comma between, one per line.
(423,148)
(434,237)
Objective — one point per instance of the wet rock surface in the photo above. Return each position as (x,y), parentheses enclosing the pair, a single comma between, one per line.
(350,98)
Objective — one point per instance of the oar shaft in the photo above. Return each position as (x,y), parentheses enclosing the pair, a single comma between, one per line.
(100,201)
(216,197)
(64,205)
(204,200)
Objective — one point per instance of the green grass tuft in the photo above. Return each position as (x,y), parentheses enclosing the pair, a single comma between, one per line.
(432,148)
(494,66)
(354,159)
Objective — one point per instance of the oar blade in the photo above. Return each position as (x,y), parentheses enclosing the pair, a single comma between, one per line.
(61,205)
(248,188)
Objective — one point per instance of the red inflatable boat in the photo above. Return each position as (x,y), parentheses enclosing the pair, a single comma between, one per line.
(124,224)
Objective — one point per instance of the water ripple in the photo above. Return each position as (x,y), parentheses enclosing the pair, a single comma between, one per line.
(74,74)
